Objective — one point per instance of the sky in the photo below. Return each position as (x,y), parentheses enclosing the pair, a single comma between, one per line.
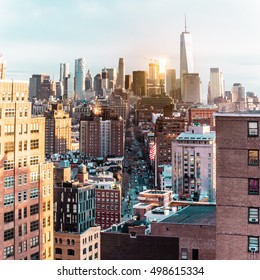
(37,35)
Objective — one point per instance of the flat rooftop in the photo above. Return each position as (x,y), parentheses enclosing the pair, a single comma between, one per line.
(195,215)
(196,136)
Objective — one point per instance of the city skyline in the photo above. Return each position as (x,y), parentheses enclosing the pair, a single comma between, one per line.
(51,33)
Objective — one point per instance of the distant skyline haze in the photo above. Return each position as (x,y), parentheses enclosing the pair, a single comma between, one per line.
(36,36)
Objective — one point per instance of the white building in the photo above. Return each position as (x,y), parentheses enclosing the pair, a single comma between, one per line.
(112,77)
(238,92)
(166,177)
(216,85)
(186,55)
(80,78)
(121,73)
(193,163)
(105,130)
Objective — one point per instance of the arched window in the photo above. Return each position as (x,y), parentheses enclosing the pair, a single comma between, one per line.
(58,251)
(71,252)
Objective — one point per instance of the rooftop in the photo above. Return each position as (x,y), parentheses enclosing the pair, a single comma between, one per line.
(196,136)
(195,215)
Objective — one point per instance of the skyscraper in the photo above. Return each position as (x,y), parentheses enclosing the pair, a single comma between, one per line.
(140,83)
(238,92)
(2,68)
(191,88)
(121,73)
(35,84)
(26,204)
(170,81)
(216,85)
(88,81)
(186,55)
(112,77)
(64,71)
(63,82)
(80,78)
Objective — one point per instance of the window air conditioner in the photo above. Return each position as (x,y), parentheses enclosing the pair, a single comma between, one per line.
(252,249)
(253,220)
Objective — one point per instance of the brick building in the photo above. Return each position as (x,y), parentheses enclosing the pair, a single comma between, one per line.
(195,227)
(76,235)
(166,130)
(108,205)
(202,115)
(100,138)
(57,130)
(128,241)
(237,167)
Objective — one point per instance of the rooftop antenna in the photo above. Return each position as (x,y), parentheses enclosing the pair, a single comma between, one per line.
(185,24)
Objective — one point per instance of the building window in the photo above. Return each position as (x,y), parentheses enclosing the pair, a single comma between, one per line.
(252,129)
(19,214)
(70,252)
(34,226)
(8,164)
(34,241)
(9,113)
(34,144)
(8,234)
(58,251)
(253,244)
(34,193)
(9,182)
(184,253)
(24,161)
(253,215)
(34,209)
(25,178)
(8,199)
(24,195)
(34,160)
(20,146)
(19,196)
(253,157)
(8,252)
(25,145)
(33,177)
(25,212)
(25,246)
(20,180)
(253,186)
(8,217)
(35,256)
(195,254)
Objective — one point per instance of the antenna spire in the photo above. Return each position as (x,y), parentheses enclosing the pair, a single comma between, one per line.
(185,23)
